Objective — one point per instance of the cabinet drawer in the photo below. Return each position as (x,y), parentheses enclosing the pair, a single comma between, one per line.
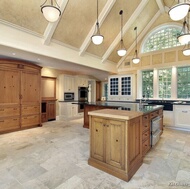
(9,111)
(145,126)
(146,135)
(28,110)
(146,146)
(9,123)
(154,114)
(30,120)
(160,112)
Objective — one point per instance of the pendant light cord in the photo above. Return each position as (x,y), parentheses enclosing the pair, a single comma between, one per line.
(121,13)
(136,41)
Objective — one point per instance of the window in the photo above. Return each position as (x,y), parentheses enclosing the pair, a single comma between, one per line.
(147,84)
(162,38)
(183,82)
(165,78)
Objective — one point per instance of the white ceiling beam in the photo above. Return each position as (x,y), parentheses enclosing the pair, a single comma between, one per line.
(127,25)
(161,6)
(105,11)
(50,29)
(142,35)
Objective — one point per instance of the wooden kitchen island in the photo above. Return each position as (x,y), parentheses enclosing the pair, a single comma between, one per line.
(119,139)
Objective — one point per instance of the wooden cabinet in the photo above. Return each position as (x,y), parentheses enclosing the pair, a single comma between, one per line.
(145,134)
(48,110)
(20,95)
(115,143)
(108,141)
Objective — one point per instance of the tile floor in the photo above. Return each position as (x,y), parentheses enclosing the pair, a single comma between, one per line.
(55,157)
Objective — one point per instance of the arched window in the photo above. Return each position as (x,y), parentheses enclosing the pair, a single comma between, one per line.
(161,38)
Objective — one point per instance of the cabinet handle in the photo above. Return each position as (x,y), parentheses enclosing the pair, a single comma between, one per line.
(116,140)
(96,130)
(184,111)
(146,126)
(145,134)
(145,144)
(107,125)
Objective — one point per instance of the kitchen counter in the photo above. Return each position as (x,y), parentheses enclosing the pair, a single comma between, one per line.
(133,107)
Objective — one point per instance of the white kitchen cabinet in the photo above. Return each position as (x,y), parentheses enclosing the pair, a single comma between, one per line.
(66,84)
(182,116)
(82,81)
(121,88)
(168,118)
(68,110)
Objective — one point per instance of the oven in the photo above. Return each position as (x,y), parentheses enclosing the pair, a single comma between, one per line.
(82,98)
(155,130)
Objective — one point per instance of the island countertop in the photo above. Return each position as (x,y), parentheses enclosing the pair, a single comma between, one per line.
(118,114)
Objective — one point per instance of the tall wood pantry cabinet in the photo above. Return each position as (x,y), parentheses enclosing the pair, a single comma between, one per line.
(20,101)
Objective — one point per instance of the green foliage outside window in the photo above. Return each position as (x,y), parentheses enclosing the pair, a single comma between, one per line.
(147,84)
(162,39)
(183,82)
(165,81)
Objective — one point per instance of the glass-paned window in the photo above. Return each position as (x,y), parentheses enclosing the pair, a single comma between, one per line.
(183,82)
(163,38)
(147,84)
(126,86)
(114,86)
(165,81)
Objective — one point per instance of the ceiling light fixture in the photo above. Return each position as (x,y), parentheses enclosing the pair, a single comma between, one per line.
(97,38)
(122,51)
(51,12)
(136,59)
(184,36)
(179,11)
(186,50)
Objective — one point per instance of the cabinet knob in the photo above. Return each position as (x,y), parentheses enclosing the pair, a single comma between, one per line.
(116,140)
(96,130)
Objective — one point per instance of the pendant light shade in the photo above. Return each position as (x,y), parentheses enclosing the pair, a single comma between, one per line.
(184,37)
(97,38)
(122,50)
(50,12)
(186,50)
(136,59)
(179,11)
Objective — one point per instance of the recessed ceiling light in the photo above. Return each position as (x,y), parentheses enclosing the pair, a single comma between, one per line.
(13,54)
(38,59)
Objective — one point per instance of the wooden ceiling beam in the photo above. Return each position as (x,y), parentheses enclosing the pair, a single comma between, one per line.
(50,29)
(105,11)
(141,36)
(127,25)
(161,6)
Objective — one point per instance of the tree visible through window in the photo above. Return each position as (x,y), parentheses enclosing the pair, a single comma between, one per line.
(183,82)
(147,84)
(163,38)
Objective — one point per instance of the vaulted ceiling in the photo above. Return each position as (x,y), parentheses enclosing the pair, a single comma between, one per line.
(71,34)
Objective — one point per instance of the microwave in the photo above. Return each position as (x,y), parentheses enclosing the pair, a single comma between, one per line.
(69,96)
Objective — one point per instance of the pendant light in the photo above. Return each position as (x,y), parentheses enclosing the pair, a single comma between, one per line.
(179,11)
(184,37)
(136,59)
(186,50)
(97,39)
(51,12)
(121,51)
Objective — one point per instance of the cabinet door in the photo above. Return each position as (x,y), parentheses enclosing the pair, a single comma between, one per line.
(69,83)
(9,87)
(51,111)
(115,143)
(30,87)
(125,86)
(114,86)
(97,138)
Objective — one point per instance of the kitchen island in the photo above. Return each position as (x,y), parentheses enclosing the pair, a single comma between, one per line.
(119,139)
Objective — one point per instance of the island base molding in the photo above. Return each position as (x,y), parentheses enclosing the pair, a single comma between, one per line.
(121,174)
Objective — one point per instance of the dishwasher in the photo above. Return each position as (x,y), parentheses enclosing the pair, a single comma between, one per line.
(155,130)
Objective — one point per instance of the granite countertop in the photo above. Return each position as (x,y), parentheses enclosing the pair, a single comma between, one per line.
(118,114)
(135,107)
